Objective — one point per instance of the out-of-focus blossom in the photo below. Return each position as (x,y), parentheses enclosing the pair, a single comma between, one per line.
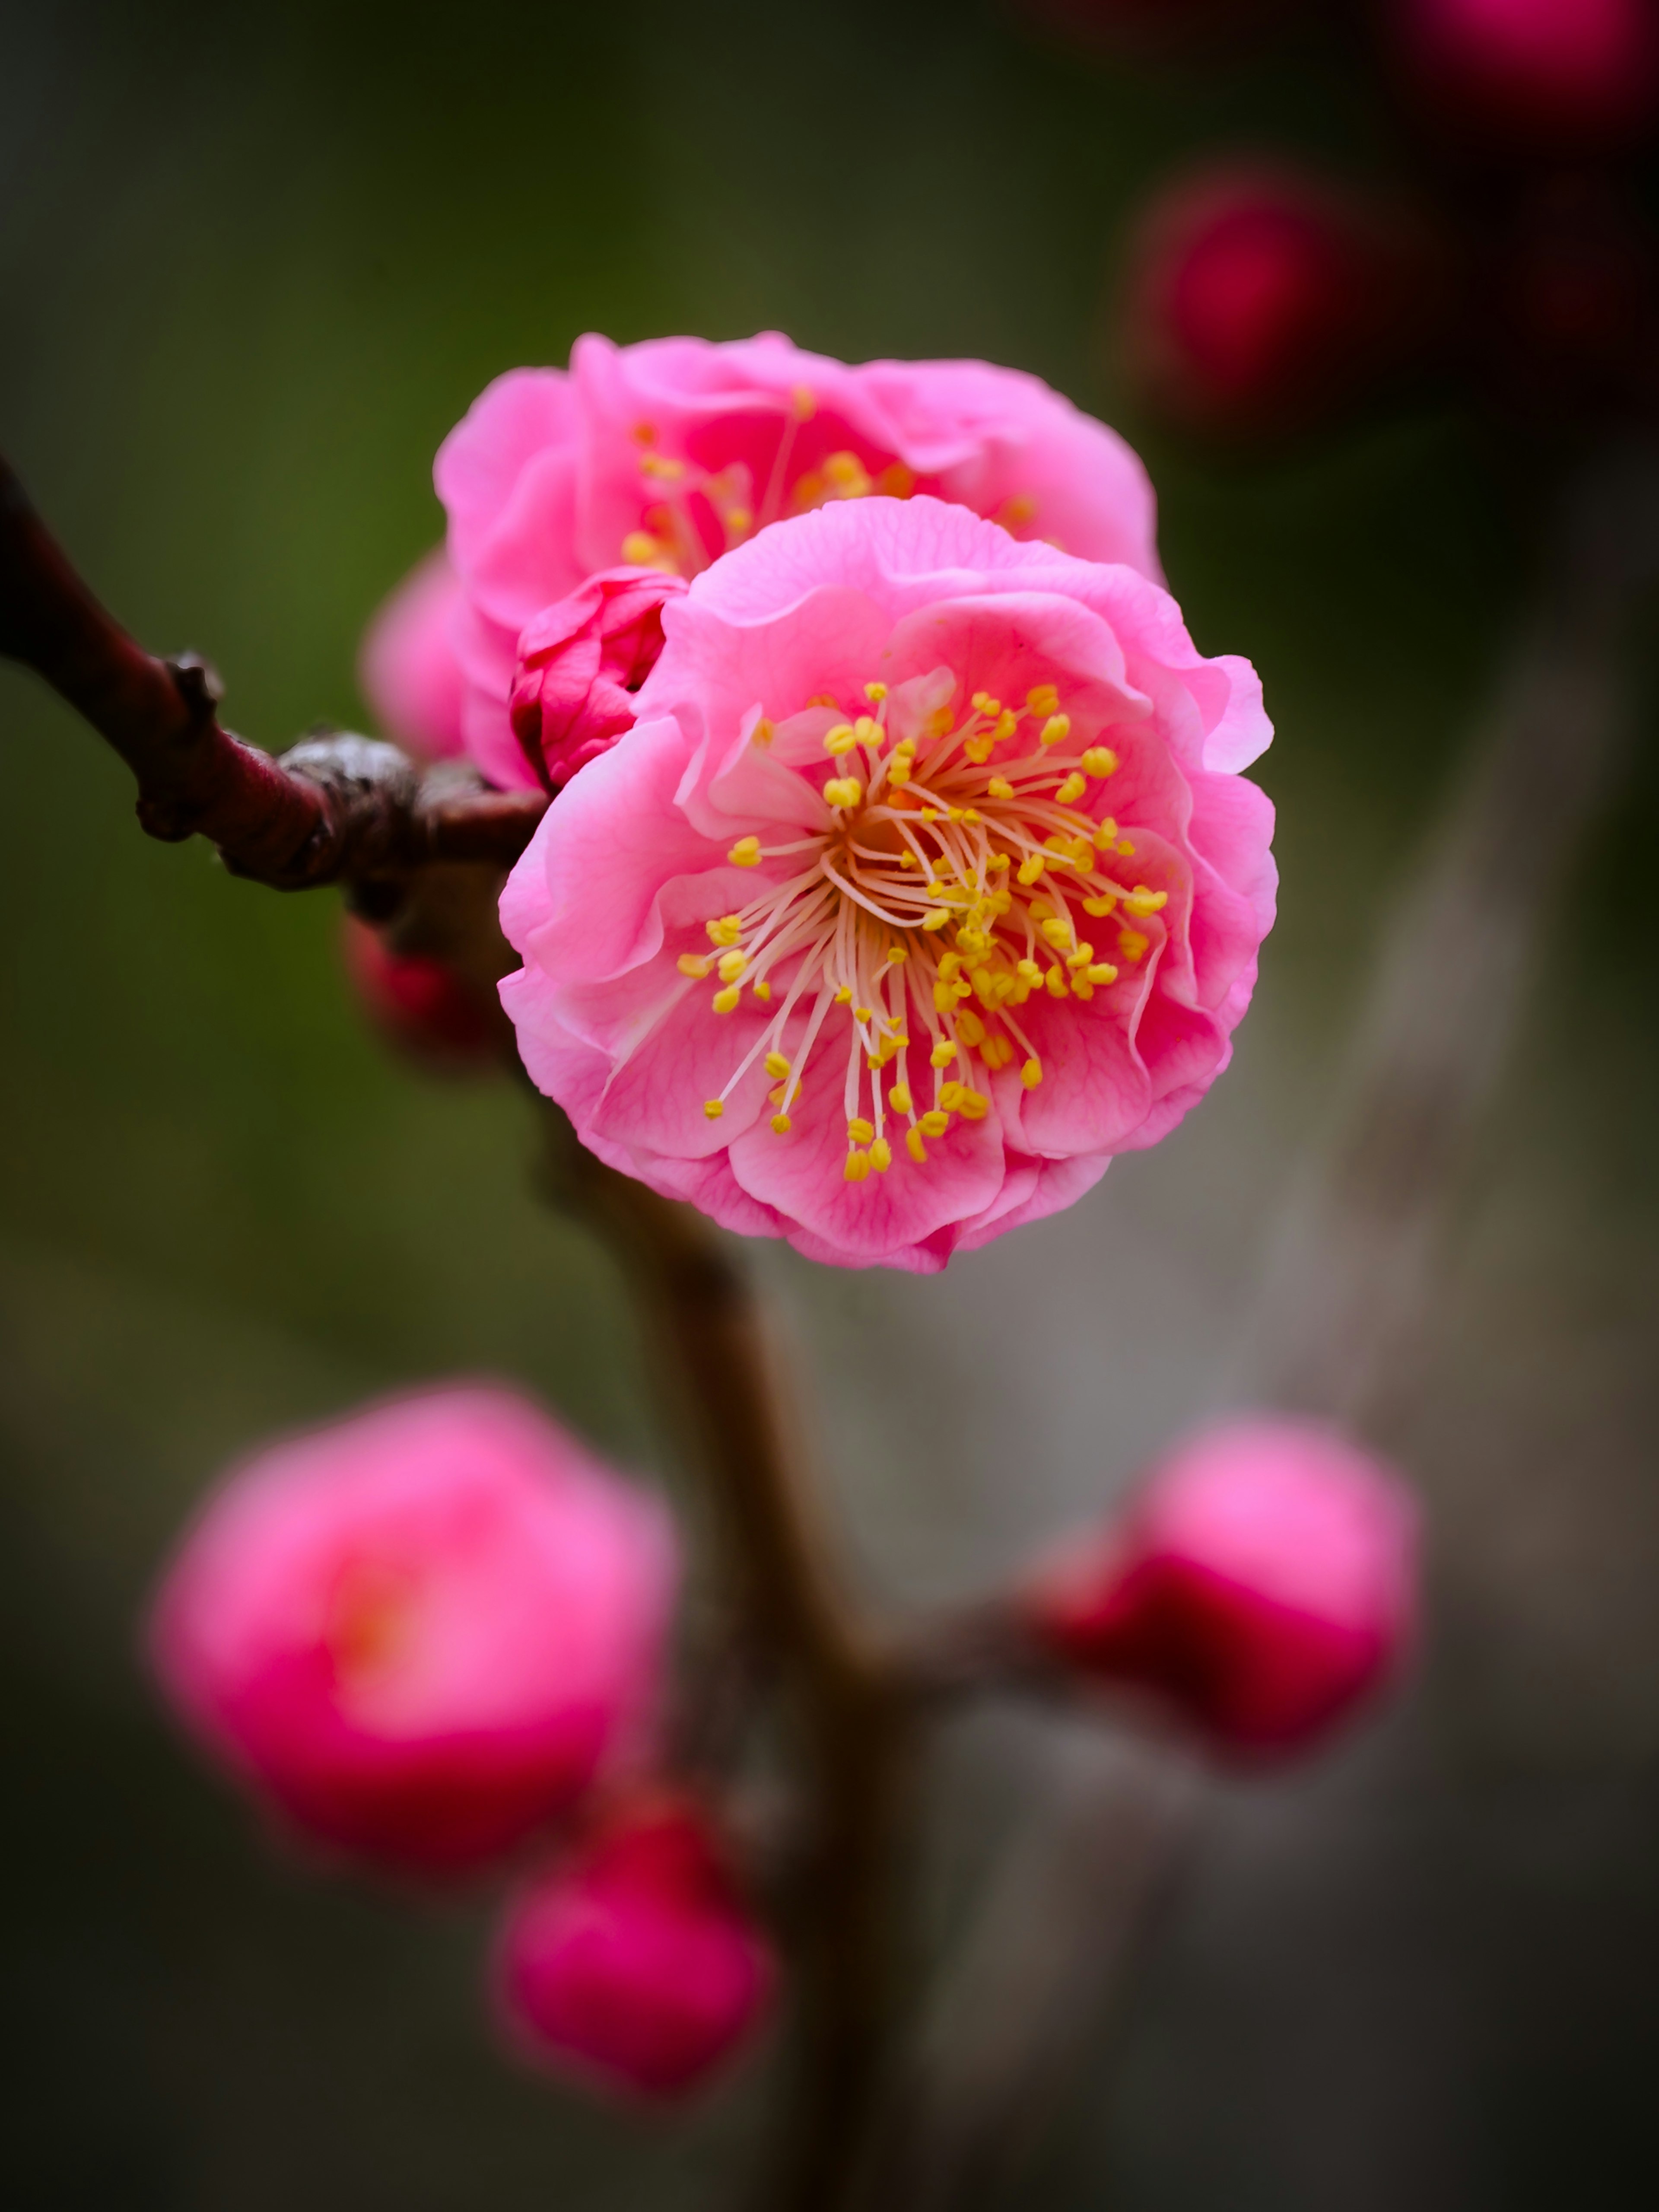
(580,662)
(1558,75)
(1572,307)
(418,1003)
(422,1632)
(1264,300)
(407,666)
(635,1964)
(925,882)
(1180,27)
(665,455)
(1261,1584)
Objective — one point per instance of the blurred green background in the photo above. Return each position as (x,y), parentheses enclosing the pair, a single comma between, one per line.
(253,264)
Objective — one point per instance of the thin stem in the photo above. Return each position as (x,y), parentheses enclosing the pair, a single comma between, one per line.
(333,809)
(851,1706)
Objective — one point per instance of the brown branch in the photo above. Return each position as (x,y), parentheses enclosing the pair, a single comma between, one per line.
(851,1706)
(334,808)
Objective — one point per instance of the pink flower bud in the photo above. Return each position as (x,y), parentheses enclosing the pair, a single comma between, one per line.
(407,667)
(1561,76)
(581,661)
(1263,299)
(636,1964)
(422,1632)
(1261,1583)
(419,1004)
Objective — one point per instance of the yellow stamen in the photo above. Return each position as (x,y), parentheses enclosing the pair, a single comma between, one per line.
(1055,730)
(881,1156)
(877,692)
(714,1109)
(843,791)
(841,739)
(693,964)
(726,1002)
(732,966)
(1100,761)
(859,1130)
(1131,943)
(857,1165)
(974,1106)
(914,1146)
(899,1098)
(776,1063)
(934,1124)
(1042,699)
(999,787)
(1031,1074)
(726,931)
(1141,901)
(780,1125)
(745,854)
(1072,788)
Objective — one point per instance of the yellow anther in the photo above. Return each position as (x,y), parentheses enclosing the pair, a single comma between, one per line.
(1131,943)
(1141,901)
(1098,909)
(857,1165)
(1008,723)
(979,750)
(969,1028)
(775,1065)
(868,729)
(1103,972)
(859,1130)
(972,815)
(763,733)
(864,1013)
(1083,857)
(1029,970)
(1124,846)
(1081,958)
(844,996)
(950,1096)
(1100,761)
(908,859)
(732,966)
(943,1053)
(949,964)
(875,693)
(738,520)
(640,550)
(1055,730)
(662,465)
(898,773)
(713,1107)
(780,1125)
(1042,699)
(693,964)
(905,749)
(822,699)
(986,704)
(944,997)
(973,942)
(848,473)
(930,814)
(1031,1074)
(934,1123)
(999,787)
(1056,980)
(841,739)
(897,955)
(1072,788)
(843,791)
(778,1097)
(997,1052)
(996,866)
(899,1098)
(726,1002)
(764,993)
(914,1146)
(881,1156)
(1106,836)
(973,1106)
(953,814)
(1058,933)
(1031,868)
(726,931)
(939,722)
(745,854)
(936,919)
(805,404)
(1082,988)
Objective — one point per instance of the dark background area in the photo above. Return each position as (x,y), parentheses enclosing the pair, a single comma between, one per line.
(253,264)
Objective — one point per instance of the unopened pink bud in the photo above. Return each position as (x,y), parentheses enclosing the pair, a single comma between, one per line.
(1264,299)
(420,1003)
(1261,1583)
(407,666)
(1560,75)
(424,1632)
(636,1964)
(581,661)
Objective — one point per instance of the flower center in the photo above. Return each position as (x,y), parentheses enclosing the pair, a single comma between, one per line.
(959,875)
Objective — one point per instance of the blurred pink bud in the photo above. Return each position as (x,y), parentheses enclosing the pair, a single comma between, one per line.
(424,1632)
(420,1003)
(1559,75)
(581,661)
(1262,299)
(1261,1583)
(407,668)
(636,1964)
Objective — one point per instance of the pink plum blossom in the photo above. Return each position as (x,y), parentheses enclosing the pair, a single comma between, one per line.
(420,1003)
(1261,1584)
(925,882)
(635,1964)
(424,1632)
(407,667)
(665,455)
(580,662)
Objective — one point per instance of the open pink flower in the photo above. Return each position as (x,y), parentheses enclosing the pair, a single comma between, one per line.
(636,1964)
(925,882)
(665,455)
(407,667)
(422,1632)
(1261,1584)
(580,662)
